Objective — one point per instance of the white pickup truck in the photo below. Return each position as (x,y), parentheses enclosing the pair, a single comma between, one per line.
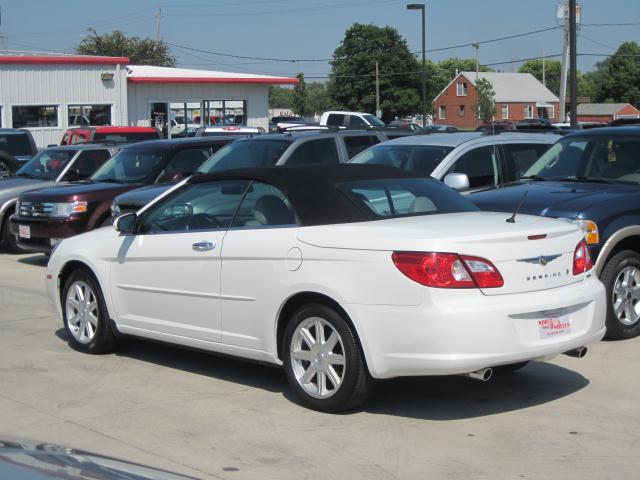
(350,119)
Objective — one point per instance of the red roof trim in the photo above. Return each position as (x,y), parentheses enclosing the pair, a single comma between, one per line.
(270,81)
(64,60)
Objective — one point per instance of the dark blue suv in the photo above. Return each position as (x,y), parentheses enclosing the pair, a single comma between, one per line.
(591,178)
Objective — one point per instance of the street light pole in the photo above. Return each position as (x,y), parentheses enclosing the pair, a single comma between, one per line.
(422,8)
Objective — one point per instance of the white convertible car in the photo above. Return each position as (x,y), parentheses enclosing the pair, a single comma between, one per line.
(342,274)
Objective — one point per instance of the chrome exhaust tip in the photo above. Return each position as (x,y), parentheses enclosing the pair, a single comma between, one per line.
(579,352)
(484,374)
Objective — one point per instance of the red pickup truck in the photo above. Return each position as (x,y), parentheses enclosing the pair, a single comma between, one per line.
(109,135)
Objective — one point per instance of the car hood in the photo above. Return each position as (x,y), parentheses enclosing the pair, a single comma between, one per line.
(11,187)
(553,199)
(79,191)
(141,196)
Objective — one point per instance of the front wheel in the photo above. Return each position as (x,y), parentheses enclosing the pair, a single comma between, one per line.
(621,277)
(86,320)
(323,360)
(9,242)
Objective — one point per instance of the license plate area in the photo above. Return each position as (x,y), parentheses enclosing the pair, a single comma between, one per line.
(554,326)
(24,231)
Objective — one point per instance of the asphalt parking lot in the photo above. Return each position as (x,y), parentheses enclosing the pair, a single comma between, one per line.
(214,417)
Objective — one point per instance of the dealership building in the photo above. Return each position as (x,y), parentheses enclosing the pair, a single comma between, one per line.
(47,94)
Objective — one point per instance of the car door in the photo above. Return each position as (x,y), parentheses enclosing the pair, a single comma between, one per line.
(87,163)
(481,164)
(258,254)
(354,144)
(166,278)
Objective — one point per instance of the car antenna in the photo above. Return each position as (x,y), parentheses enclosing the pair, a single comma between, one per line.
(512,218)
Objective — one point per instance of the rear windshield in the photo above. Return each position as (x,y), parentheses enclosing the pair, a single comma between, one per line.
(244,154)
(391,198)
(16,144)
(131,165)
(422,159)
(124,137)
(46,165)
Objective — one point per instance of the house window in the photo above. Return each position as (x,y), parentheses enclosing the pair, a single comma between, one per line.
(462,89)
(528,111)
(505,111)
(34,116)
(551,111)
(224,112)
(461,110)
(442,112)
(85,115)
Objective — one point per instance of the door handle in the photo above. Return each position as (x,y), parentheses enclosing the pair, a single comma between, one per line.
(203,246)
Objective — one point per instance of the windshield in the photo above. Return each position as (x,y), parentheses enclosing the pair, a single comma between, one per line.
(413,158)
(245,153)
(373,120)
(16,144)
(47,164)
(130,166)
(611,157)
(390,198)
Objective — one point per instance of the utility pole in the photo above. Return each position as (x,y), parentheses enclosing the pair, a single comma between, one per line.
(378,112)
(565,61)
(574,62)
(544,70)
(158,17)
(477,47)
(422,7)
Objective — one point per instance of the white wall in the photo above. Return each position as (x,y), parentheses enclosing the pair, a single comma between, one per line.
(141,95)
(61,85)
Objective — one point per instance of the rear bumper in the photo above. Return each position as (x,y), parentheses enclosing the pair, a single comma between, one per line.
(459,332)
(42,230)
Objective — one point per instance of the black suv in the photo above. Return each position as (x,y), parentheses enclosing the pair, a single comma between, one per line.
(591,178)
(16,148)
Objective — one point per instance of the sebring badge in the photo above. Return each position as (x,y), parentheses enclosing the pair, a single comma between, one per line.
(541,260)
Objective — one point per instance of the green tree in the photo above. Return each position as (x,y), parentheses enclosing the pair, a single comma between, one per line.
(299,97)
(140,51)
(352,78)
(621,73)
(486,104)
(553,71)
(318,98)
(280,97)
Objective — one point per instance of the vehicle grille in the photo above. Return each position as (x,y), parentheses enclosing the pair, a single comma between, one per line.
(35,209)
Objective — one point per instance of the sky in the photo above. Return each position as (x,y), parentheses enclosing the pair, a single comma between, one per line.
(286,30)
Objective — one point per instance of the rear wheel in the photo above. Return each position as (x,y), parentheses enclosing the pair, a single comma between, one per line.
(621,277)
(86,320)
(9,242)
(323,360)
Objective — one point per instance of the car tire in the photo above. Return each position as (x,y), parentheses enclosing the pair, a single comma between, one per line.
(336,362)
(510,368)
(621,278)
(9,242)
(85,316)
(8,165)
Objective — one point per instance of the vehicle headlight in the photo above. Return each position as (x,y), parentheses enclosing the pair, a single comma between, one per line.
(588,227)
(65,210)
(115,209)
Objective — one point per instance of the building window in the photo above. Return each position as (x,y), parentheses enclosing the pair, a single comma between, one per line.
(85,115)
(505,111)
(462,89)
(551,111)
(528,111)
(442,112)
(225,112)
(461,110)
(34,116)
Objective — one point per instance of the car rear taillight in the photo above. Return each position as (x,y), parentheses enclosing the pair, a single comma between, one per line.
(582,259)
(447,270)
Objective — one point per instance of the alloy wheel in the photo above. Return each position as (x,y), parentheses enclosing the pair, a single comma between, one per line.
(626,296)
(318,357)
(82,312)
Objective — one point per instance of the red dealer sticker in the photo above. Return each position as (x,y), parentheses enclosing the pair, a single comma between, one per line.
(549,327)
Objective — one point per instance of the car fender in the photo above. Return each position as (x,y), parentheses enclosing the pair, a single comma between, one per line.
(611,243)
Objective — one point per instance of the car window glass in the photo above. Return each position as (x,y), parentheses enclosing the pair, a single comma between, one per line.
(46,164)
(564,159)
(480,165)
(246,153)
(200,206)
(359,143)
(520,156)
(131,165)
(335,119)
(187,161)
(89,161)
(311,152)
(615,159)
(264,206)
(355,121)
(413,158)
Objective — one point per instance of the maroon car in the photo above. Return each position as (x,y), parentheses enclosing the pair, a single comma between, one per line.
(45,217)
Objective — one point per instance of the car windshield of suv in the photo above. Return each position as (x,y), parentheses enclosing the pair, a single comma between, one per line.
(244,154)
(46,165)
(390,198)
(124,137)
(413,158)
(130,165)
(373,120)
(16,144)
(604,158)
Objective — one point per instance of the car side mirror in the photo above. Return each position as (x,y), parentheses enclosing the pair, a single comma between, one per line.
(457,181)
(170,177)
(126,223)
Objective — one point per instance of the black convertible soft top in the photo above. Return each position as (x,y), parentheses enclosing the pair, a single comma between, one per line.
(312,189)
